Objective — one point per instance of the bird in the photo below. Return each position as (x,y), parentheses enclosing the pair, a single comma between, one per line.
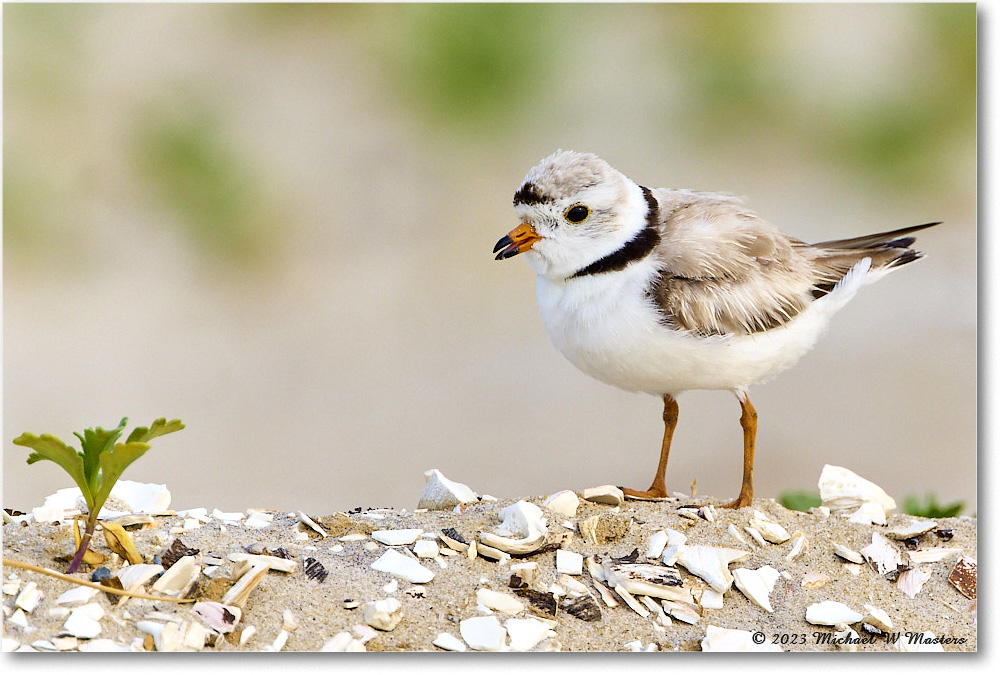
(665,290)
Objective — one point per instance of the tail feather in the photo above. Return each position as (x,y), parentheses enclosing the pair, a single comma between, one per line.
(887,251)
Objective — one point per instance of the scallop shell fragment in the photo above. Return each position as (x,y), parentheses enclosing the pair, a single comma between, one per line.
(911,528)
(757,584)
(841,489)
(220,618)
(882,555)
(963,577)
(711,563)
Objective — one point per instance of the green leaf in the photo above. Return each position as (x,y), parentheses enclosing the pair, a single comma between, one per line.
(51,448)
(160,427)
(113,463)
(799,501)
(95,442)
(913,506)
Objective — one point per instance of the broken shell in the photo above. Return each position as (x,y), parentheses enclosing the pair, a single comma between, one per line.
(442,494)
(83,622)
(489,552)
(657,542)
(881,554)
(525,572)
(814,579)
(483,633)
(564,503)
(513,546)
(931,555)
(426,549)
(383,614)
(799,545)
(924,641)
(630,600)
(682,611)
(569,562)
(29,597)
(449,642)
(218,617)
(522,520)
(311,524)
(526,634)
(250,578)
(711,564)
(733,640)
(755,535)
(396,537)
(710,599)
(735,534)
(869,513)
(141,497)
(770,530)
(646,579)
(841,489)
(830,613)
(453,540)
(911,581)
(399,565)
(75,597)
(134,576)
(911,528)
(343,642)
(166,636)
(878,618)
(848,554)
(675,542)
(963,577)
(500,602)
(179,579)
(757,584)
(605,494)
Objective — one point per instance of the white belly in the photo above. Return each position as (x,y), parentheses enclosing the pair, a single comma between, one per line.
(608,328)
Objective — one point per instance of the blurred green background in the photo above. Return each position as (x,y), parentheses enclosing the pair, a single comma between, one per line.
(275,222)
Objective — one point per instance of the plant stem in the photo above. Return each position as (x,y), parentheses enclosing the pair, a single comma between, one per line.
(84,542)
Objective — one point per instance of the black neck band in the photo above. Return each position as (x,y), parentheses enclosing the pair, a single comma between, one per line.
(636,249)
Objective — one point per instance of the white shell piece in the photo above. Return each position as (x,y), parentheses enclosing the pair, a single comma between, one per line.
(630,600)
(929,555)
(569,562)
(29,597)
(179,578)
(83,622)
(442,494)
(311,524)
(220,618)
(399,565)
(830,613)
(60,505)
(882,555)
(646,579)
(512,546)
(288,621)
(426,549)
(911,581)
(134,576)
(271,561)
(770,530)
(681,611)
(711,564)
(657,542)
(240,591)
(733,640)
(103,645)
(814,579)
(382,614)
(799,545)
(500,602)
(526,571)
(848,554)
(230,518)
(869,513)
(142,497)
(525,634)
(166,636)
(605,494)
(757,584)
(755,535)
(77,596)
(735,534)
(19,618)
(449,642)
(396,537)
(841,489)
(878,618)
(483,633)
(564,503)
(911,528)
(521,520)
(711,599)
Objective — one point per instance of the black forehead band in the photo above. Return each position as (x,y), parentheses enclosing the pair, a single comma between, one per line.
(529,194)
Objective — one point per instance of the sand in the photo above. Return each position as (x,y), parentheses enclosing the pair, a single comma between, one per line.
(438,606)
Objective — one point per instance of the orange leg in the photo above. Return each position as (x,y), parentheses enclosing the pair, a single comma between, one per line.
(748,420)
(659,488)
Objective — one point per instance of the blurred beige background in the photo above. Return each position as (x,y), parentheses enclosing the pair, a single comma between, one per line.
(275,223)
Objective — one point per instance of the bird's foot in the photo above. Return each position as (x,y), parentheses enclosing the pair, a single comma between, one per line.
(743,500)
(651,493)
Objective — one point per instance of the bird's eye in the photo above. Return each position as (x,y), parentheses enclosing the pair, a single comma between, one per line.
(577,214)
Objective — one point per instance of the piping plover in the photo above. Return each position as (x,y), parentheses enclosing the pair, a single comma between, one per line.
(667,290)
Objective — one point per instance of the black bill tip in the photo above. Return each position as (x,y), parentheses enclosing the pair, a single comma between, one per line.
(504,242)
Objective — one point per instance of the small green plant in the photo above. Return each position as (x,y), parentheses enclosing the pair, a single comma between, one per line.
(799,500)
(913,506)
(98,467)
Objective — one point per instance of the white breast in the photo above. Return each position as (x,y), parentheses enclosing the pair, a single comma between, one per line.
(607,327)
